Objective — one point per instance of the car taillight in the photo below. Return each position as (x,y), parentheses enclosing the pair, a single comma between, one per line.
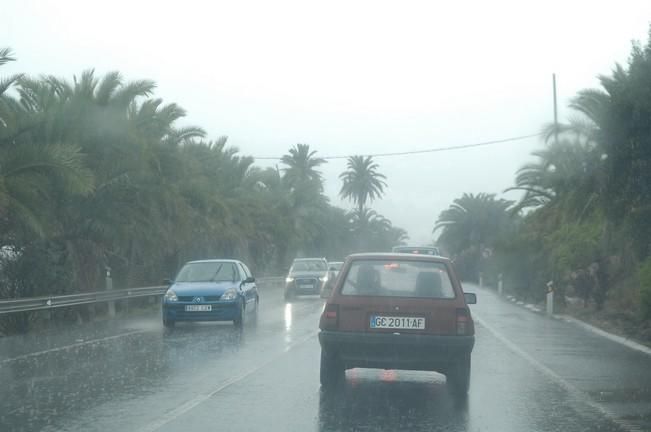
(330,317)
(464,322)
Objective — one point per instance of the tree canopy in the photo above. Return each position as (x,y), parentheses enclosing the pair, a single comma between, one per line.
(96,173)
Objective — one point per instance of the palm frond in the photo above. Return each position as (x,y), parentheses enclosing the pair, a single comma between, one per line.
(6,55)
(129,92)
(107,87)
(7,82)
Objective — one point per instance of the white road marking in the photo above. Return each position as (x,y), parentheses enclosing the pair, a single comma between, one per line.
(574,392)
(610,336)
(192,403)
(71,346)
(613,337)
(90,342)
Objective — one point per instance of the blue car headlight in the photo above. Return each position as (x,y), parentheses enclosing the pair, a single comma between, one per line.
(170,296)
(229,295)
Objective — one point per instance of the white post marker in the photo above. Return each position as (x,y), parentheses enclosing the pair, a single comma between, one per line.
(500,285)
(109,287)
(550,298)
(481,280)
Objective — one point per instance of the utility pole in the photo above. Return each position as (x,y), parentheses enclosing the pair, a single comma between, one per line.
(555,110)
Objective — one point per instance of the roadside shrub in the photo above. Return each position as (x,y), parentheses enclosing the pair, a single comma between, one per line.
(645,288)
(37,270)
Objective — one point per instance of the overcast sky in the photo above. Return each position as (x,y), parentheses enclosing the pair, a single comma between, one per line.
(348,77)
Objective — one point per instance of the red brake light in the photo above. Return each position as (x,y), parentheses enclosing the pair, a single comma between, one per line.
(464,322)
(330,317)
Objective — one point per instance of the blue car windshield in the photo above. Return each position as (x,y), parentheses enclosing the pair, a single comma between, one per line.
(208,272)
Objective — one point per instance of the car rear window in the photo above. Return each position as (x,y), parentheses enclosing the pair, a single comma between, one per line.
(315,265)
(416,250)
(389,278)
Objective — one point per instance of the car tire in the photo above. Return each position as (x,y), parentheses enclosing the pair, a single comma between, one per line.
(458,377)
(332,370)
(168,323)
(288,295)
(240,319)
(254,318)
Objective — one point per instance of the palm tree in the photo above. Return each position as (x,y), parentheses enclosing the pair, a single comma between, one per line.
(373,231)
(7,104)
(301,167)
(472,221)
(32,166)
(362,182)
(565,175)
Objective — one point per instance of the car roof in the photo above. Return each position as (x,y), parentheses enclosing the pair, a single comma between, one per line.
(335,262)
(214,261)
(416,247)
(309,259)
(398,256)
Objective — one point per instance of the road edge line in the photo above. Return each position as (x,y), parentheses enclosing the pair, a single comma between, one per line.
(572,391)
(629,343)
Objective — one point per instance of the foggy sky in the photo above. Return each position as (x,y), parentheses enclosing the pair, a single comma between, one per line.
(348,77)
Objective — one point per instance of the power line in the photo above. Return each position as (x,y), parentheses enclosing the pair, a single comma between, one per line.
(432,150)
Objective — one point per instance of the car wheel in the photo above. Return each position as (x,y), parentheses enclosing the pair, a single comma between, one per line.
(289,295)
(332,370)
(254,318)
(168,323)
(458,377)
(240,318)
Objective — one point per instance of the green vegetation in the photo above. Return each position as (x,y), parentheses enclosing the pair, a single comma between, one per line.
(362,182)
(96,173)
(645,288)
(584,220)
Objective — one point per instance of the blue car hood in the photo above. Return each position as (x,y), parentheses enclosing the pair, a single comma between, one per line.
(202,288)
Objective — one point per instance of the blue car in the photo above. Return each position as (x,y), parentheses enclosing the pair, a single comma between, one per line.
(211,290)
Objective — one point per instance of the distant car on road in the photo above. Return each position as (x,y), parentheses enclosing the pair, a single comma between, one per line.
(306,276)
(334,267)
(211,290)
(397,311)
(420,250)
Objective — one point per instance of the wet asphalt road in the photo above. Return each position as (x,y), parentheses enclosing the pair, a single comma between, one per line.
(530,373)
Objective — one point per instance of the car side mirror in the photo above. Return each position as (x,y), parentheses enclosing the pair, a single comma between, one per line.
(471,298)
(167,281)
(249,279)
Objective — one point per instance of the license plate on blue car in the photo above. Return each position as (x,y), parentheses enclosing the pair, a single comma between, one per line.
(198,308)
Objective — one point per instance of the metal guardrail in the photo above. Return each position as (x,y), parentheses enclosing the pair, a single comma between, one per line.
(50,302)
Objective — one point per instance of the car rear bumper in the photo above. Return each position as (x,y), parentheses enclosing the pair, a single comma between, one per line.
(223,311)
(396,351)
(313,289)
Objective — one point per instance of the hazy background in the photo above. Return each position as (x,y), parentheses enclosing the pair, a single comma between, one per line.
(349,77)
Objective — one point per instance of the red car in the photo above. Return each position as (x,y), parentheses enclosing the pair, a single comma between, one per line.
(398,311)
